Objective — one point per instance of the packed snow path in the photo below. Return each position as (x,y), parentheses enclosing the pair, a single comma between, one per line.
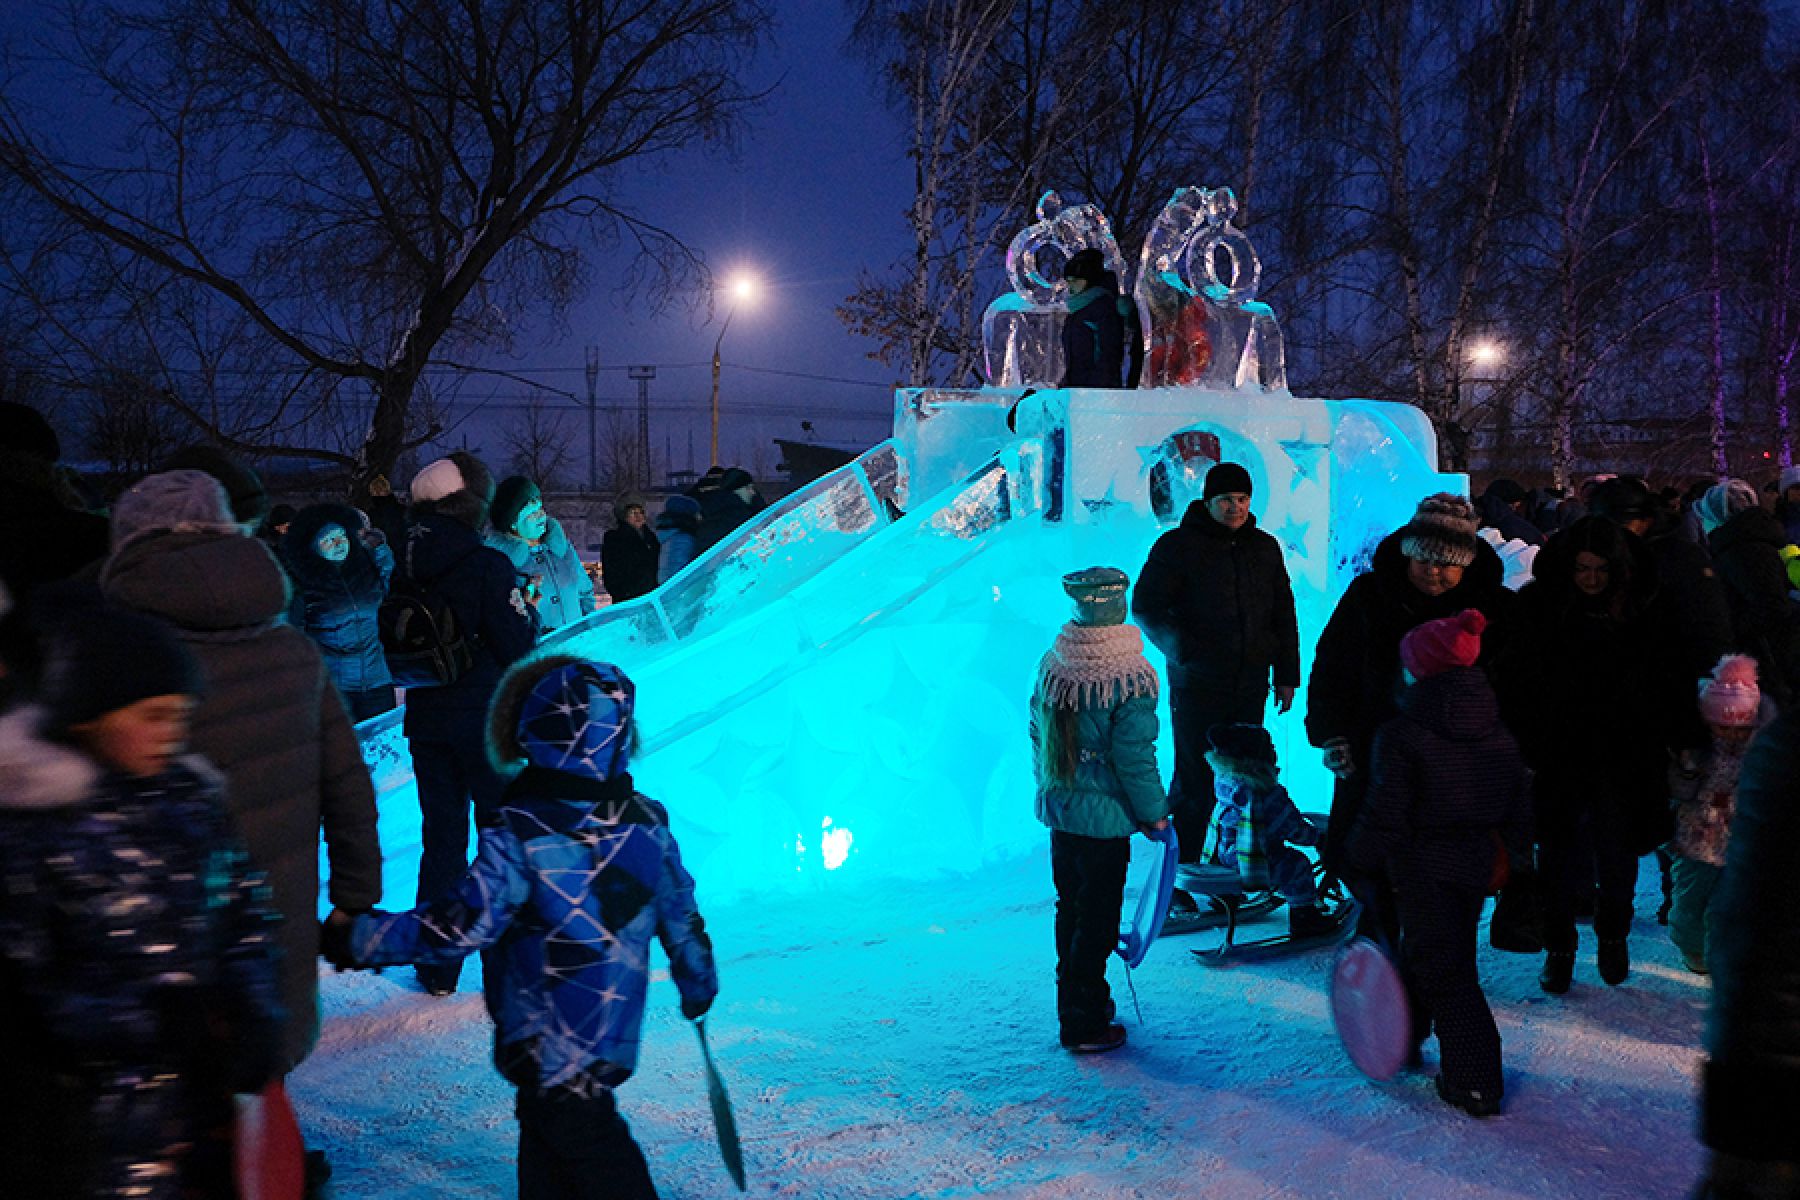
(904,1045)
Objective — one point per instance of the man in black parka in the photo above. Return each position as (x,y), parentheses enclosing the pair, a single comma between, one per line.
(1214,597)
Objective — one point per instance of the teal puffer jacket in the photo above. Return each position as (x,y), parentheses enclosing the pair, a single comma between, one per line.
(1116,786)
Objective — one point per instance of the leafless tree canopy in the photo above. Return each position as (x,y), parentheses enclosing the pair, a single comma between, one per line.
(332,192)
(1610,189)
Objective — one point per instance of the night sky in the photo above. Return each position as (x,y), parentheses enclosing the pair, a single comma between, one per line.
(815,191)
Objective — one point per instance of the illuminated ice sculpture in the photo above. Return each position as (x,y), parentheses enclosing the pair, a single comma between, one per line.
(1196,296)
(835,694)
(1021,331)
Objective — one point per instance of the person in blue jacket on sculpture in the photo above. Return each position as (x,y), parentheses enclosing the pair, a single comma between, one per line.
(569,886)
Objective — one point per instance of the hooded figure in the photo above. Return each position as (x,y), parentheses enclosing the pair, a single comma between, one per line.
(1746,541)
(340,580)
(678,529)
(629,551)
(270,719)
(550,574)
(1094,333)
(574,878)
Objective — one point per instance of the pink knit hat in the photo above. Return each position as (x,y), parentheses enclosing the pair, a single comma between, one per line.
(1729,696)
(1440,645)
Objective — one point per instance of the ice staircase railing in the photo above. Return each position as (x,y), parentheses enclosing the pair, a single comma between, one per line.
(893,567)
(784,544)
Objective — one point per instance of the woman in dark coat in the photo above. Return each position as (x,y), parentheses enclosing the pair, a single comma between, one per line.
(1746,540)
(1595,687)
(629,551)
(340,580)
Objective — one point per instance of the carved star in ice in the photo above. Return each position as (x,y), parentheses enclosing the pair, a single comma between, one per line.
(1293,535)
(1306,457)
(1150,456)
(1105,503)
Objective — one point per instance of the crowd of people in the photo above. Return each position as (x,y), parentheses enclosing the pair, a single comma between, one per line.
(179,681)
(1537,746)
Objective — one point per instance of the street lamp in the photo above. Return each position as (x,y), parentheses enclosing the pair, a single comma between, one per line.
(741,289)
(1486,354)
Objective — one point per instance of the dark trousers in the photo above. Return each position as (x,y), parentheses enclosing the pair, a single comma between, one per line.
(1191,713)
(370,702)
(451,776)
(1584,841)
(1438,932)
(1090,889)
(578,1148)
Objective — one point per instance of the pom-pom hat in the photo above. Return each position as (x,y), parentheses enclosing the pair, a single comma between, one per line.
(1730,696)
(1443,644)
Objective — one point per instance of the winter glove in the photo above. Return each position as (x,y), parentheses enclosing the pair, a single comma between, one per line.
(1338,759)
(334,940)
(695,1008)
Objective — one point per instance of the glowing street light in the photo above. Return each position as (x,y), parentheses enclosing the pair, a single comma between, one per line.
(1486,354)
(742,290)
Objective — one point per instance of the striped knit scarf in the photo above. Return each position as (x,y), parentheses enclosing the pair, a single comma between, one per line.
(1095,666)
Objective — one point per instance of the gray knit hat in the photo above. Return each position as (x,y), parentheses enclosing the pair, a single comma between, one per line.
(1099,593)
(185,501)
(1441,532)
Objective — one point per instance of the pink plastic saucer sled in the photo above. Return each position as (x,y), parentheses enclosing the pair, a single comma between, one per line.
(1369,1008)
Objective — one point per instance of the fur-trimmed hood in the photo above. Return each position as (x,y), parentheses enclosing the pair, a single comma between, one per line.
(1251,773)
(39,773)
(300,552)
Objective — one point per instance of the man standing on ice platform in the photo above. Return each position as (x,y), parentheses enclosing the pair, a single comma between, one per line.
(1214,597)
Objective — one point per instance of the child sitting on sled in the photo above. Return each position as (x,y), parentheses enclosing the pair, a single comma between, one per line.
(1255,825)
(569,887)
(1093,727)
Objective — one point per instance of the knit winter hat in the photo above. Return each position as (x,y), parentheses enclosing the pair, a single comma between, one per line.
(172,502)
(1442,644)
(24,430)
(735,478)
(514,495)
(249,499)
(682,506)
(1622,499)
(1226,477)
(1722,502)
(1442,531)
(1099,594)
(436,480)
(1729,696)
(102,659)
(577,718)
(1244,743)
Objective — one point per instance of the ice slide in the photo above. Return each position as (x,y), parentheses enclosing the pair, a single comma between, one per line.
(837,693)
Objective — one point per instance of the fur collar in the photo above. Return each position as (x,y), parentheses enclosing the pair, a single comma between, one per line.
(1260,775)
(39,773)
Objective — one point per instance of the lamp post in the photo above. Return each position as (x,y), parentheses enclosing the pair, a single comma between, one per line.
(1483,357)
(742,288)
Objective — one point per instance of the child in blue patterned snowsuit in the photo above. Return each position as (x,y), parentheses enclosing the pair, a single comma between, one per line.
(137,977)
(1255,825)
(570,886)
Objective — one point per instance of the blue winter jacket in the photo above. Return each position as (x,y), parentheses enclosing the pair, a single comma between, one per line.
(137,953)
(337,604)
(571,884)
(567,592)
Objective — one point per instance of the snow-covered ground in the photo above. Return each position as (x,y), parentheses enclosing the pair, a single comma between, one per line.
(903,1044)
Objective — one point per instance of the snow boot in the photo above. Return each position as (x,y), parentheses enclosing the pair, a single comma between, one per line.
(1476,1104)
(1615,961)
(1307,921)
(1109,1038)
(1558,972)
(318,1174)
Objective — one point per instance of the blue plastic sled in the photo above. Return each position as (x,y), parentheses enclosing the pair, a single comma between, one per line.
(1153,901)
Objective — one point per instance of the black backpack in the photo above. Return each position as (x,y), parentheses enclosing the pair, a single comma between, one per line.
(423,642)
